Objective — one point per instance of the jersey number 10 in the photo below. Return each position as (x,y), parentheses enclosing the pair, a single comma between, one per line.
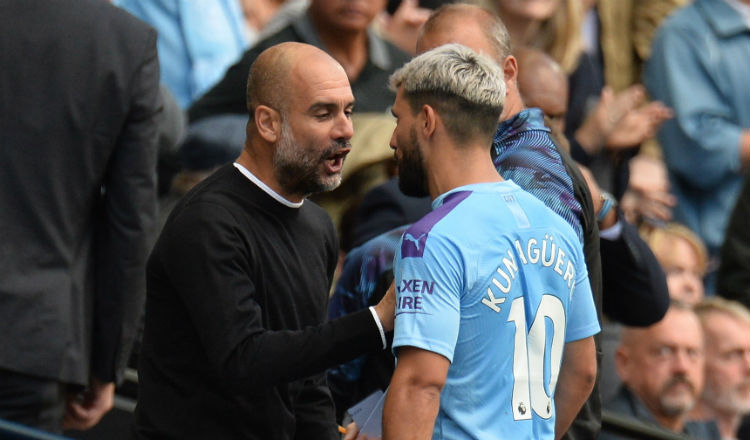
(529,353)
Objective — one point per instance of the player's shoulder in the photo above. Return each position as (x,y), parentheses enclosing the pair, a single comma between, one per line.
(432,225)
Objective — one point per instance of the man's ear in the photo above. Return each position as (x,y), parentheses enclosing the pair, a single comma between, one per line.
(428,120)
(268,123)
(622,363)
(510,71)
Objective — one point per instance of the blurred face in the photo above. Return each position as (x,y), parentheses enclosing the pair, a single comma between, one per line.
(470,36)
(538,10)
(680,263)
(727,364)
(346,15)
(663,364)
(407,150)
(316,128)
(548,92)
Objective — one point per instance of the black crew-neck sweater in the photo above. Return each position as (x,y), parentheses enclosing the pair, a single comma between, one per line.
(235,343)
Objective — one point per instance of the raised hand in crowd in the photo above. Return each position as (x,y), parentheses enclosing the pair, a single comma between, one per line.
(621,120)
(648,197)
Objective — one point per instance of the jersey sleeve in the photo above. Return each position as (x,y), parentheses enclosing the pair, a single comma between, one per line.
(428,293)
(582,317)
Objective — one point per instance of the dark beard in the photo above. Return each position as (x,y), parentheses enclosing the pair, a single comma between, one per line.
(297,169)
(412,178)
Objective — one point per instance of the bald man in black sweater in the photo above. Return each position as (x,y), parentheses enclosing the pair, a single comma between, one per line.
(235,343)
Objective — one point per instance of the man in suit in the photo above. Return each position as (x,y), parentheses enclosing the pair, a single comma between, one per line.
(78,119)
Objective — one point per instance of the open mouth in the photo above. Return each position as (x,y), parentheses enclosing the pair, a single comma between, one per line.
(335,162)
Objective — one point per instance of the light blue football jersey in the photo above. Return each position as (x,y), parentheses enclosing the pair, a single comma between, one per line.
(496,282)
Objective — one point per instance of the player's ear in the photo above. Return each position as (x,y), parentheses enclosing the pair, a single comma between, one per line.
(428,120)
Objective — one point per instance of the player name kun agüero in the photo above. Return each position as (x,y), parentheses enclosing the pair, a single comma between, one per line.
(546,254)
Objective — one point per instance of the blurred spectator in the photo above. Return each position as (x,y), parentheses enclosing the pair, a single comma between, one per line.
(172,126)
(661,368)
(647,17)
(698,68)
(543,84)
(726,395)
(259,13)
(648,198)
(401,21)
(683,257)
(603,127)
(288,11)
(198,40)
(551,26)
(629,268)
(341,28)
(733,280)
(608,124)
(78,121)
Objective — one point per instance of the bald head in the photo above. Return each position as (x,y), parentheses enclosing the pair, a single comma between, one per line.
(482,31)
(543,84)
(273,73)
(448,24)
(298,133)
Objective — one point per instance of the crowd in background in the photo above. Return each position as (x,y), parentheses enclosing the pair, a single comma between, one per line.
(650,97)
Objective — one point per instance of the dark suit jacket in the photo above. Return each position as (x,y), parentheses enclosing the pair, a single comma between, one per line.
(79,98)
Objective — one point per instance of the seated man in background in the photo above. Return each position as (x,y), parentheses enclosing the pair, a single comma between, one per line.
(661,368)
(726,395)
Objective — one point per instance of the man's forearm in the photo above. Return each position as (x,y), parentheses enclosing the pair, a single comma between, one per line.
(410,411)
(575,382)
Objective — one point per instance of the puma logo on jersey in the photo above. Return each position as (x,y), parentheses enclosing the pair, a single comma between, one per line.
(411,238)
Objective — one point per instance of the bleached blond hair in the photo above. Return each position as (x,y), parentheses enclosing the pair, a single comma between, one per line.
(467,89)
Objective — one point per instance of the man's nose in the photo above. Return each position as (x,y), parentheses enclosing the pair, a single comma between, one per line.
(343,127)
(682,361)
